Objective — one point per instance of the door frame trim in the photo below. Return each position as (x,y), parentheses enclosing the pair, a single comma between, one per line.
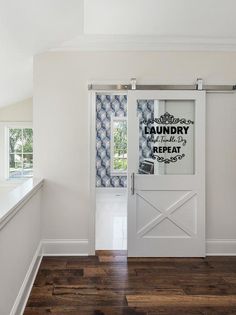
(92,173)
(92,168)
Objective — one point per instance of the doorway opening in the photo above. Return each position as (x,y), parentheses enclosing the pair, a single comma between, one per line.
(111,158)
(164,192)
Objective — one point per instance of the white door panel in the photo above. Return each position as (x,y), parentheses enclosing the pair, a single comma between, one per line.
(166,209)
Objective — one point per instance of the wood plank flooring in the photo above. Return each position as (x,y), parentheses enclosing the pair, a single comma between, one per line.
(108,284)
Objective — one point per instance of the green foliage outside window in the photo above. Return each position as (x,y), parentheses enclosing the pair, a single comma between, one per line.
(20,152)
(120,145)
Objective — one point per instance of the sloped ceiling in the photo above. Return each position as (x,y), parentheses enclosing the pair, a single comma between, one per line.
(29,27)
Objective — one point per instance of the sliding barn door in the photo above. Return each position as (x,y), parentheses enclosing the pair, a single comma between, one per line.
(166,173)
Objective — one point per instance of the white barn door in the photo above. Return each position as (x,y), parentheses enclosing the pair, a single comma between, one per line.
(166,173)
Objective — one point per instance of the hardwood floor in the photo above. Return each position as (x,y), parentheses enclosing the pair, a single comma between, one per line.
(108,284)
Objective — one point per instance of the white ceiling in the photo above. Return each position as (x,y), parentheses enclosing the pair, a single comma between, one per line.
(198,18)
(29,27)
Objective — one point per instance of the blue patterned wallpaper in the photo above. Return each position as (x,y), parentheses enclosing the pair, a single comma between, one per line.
(145,110)
(106,107)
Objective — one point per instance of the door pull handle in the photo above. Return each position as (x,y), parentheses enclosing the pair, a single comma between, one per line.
(132,183)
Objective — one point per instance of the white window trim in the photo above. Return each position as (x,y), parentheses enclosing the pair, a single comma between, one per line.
(115,172)
(7,126)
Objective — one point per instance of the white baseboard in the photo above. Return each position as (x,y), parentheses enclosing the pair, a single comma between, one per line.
(111,190)
(221,247)
(80,247)
(65,247)
(23,295)
(47,247)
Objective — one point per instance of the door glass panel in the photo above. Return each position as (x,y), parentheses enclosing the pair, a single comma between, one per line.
(166,136)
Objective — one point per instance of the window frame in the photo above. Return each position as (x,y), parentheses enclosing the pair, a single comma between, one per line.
(8,126)
(114,172)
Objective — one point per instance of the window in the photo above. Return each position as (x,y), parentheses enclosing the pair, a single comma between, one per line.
(20,152)
(118,145)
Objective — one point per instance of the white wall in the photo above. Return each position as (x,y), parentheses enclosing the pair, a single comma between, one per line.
(111,207)
(61,129)
(20,111)
(19,240)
